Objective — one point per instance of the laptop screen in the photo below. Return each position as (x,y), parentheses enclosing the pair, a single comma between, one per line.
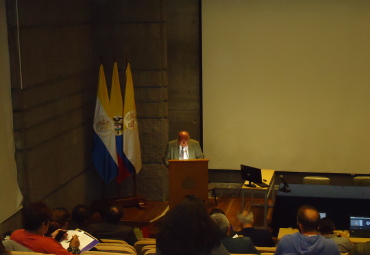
(359,222)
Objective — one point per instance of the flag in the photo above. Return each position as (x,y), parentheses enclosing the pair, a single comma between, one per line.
(117,109)
(131,142)
(104,150)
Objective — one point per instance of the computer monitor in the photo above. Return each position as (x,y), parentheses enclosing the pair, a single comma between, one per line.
(359,222)
(322,215)
(251,174)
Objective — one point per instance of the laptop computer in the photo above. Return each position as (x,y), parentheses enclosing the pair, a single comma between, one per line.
(359,226)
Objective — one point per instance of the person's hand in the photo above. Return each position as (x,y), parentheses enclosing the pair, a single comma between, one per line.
(74,242)
(56,232)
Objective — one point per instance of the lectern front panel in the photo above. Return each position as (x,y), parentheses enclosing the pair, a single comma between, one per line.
(187,177)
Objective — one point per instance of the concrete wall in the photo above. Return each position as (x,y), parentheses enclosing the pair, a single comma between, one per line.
(184,67)
(54,90)
(136,30)
(55,47)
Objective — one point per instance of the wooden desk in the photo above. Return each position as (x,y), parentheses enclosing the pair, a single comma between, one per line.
(269,176)
(288,231)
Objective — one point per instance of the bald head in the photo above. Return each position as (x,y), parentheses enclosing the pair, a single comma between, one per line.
(183,138)
(308,219)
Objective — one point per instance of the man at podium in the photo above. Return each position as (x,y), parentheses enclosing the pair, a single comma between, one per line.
(183,148)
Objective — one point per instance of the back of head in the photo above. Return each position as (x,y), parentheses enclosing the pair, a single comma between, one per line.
(326,226)
(222,223)
(309,218)
(60,218)
(112,213)
(34,215)
(245,217)
(216,210)
(188,229)
(80,214)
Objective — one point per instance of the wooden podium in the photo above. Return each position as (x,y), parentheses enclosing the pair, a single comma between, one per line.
(187,177)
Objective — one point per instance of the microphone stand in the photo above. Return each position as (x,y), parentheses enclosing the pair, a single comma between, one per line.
(285,188)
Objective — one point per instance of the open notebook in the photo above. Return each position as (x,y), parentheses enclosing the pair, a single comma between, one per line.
(359,226)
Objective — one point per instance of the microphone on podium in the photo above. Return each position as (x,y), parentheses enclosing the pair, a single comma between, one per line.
(286,185)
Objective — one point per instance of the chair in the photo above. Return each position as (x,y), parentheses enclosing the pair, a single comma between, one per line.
(125,249)
(143,242)
(266,249)
(112,241)
(147,247)
(316,180)
(212,187)
(151,252)
(361,181)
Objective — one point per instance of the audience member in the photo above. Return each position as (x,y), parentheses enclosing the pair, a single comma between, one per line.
(308,240)
(360,249)
(260,237)
(59,220)
(217,210)
(81,214)
(327,228)
(110,227)
(188,229)
(233,245)
(36,219)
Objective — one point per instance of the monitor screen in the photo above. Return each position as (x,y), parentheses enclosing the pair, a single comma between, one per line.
(251,174)
(322,215)
(359,222)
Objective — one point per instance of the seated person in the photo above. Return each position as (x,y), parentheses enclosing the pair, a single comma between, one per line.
(327,228)
(238,245)
(308,240)
(260,237)
(217,210)
(183,148)
(60,218)
(81,214)
(360,249)
(188,230)
(110,227)
(36,219)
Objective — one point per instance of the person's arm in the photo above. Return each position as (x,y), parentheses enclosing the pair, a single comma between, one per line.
(167,156)
(54,247)
(198,152)
(74,245)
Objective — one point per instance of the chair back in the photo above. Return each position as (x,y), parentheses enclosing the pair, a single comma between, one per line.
(143,242)
(151,252)
(361,181)
(126,249)
(316,180)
